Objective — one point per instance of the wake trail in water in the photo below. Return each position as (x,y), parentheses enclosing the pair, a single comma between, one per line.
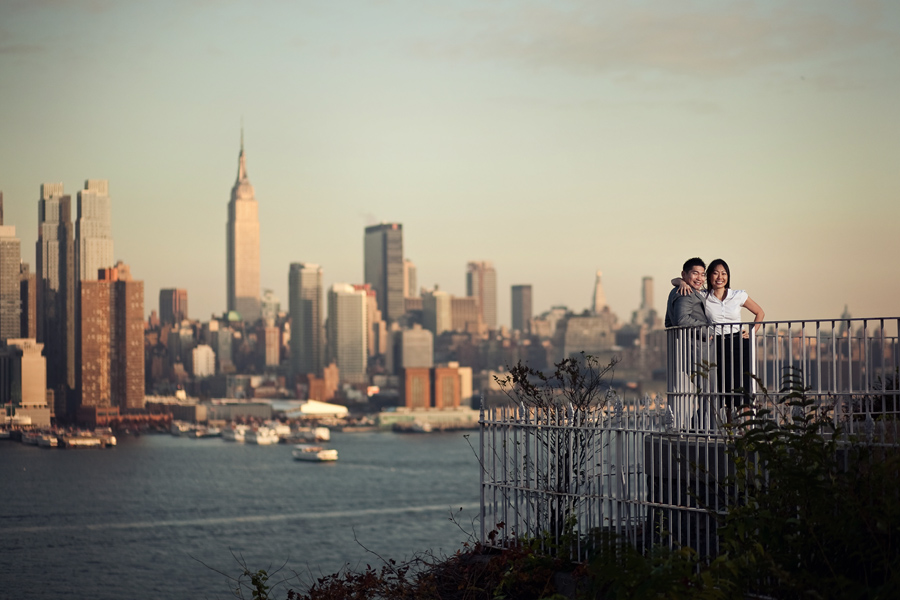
(336,514)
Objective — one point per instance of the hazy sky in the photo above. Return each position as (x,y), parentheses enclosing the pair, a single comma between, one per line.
(553,138)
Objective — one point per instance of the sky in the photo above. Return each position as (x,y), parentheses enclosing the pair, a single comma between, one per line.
(555,139)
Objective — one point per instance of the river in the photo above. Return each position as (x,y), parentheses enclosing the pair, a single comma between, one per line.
(165,517)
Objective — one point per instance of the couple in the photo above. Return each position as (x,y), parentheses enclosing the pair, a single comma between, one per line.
(719,307)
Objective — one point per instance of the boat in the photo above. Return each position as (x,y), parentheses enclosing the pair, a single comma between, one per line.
(235,433)
(178,428)
(207,432)
(262,436)
(282,430)
(313,453)
(307,435)
(413,427)
(204,431)
(81,441)
(31,438)
(48,440)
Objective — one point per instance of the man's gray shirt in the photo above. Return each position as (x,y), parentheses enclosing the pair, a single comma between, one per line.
(682,311)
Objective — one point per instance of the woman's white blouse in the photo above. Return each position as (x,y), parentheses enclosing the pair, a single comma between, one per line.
(725,311)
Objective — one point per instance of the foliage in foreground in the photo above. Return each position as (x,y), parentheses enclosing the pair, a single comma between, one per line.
(818,517)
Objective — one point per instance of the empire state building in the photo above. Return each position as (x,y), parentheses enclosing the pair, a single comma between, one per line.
(243,246)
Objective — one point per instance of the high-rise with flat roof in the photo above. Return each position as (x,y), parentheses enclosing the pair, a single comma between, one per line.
(305,305)
(173,306)
(437,315)
(521,308)
(384,268)
(411,349)
(23,386)
(376,329)
(242,232)
(347,332)
(10,295)
(28,301)
(481,283)
(410,281)
(111,344)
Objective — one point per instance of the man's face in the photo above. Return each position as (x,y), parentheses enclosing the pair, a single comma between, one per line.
(695,277)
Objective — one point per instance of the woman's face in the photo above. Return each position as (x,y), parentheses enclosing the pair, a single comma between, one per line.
(719,277)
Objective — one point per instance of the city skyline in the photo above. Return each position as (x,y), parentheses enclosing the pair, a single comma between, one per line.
(554,140)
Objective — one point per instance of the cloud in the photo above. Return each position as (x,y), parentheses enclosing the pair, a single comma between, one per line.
(683,38)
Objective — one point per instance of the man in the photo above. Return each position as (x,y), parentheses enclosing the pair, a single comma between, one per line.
(685,349)
(688,310)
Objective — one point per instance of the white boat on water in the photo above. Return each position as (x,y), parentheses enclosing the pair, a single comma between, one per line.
(180,428)
(307,435)
(281,429)
(235,433)
(48,440)
(312,453)
(106,435)
(201,431)
(81,441)
(262,436)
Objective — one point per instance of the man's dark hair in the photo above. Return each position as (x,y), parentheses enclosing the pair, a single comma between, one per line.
(691,263)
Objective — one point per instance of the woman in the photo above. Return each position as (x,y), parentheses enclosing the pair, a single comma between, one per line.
(723,307)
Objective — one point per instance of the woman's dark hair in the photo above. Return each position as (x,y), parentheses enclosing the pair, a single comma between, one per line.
(709,273)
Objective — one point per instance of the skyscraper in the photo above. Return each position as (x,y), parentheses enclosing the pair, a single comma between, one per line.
(437,313)
(243,246)
(28,301)
(347,332)
(411,349)
(521,308)
(410,283)
(376,327)
(10,297)
(111,343)
(56,288)
(384,267)
(646,315)
(305,305)
(481,283)
(93,230)
(173,306)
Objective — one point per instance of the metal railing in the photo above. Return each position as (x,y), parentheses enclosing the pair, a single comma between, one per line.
(650,471)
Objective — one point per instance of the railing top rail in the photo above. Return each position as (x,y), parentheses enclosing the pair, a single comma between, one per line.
(793,321)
